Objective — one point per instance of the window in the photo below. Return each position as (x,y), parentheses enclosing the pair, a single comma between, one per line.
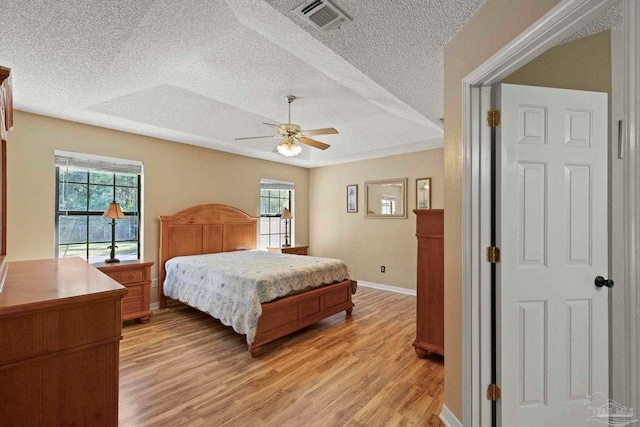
(85,185)
(274,197)
(387,205)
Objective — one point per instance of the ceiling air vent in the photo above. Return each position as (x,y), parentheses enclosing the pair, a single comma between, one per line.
(321,14)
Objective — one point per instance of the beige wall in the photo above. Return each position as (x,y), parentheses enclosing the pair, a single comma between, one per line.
(490,29)
(176,176)
(582,64)
(366,244)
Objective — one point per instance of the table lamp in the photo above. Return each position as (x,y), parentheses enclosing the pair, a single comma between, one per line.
(286,215)
(113,212)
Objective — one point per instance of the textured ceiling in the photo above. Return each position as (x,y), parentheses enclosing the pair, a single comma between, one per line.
(611,18)
(398,44)
(203,72)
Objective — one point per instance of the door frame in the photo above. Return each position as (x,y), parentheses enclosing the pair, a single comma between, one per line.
(561,21)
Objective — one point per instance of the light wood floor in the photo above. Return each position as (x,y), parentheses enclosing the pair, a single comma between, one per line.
(186,368)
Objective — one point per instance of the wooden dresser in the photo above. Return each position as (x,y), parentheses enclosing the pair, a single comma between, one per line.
(430,282)
(296,250)
(135,275)
(60,331)
(6,124)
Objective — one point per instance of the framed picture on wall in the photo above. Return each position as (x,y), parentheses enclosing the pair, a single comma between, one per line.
(423,193)
(352,198)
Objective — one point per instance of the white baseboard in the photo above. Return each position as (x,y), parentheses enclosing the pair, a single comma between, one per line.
(153,306)
(448,418)
(387,288)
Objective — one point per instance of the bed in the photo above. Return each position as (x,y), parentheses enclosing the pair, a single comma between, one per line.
(214,228)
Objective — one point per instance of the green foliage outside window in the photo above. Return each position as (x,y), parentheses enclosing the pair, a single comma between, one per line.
(83,196)
(272,230)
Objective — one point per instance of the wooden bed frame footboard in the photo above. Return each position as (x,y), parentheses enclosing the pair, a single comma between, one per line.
(213,228)
(289,314)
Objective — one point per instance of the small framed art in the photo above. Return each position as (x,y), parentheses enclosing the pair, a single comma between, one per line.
(352,198)
(423,193)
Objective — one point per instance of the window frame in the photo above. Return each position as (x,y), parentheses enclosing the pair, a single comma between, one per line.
(281,226)
(93,213)
(387,205)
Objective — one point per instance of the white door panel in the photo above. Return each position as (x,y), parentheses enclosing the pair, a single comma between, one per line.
(552,233)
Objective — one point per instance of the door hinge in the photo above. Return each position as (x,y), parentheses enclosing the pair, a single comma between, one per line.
(493,118)
(493,255)
(493,392)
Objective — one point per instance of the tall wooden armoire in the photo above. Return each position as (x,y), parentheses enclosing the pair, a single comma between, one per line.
(430,282)
(6,124)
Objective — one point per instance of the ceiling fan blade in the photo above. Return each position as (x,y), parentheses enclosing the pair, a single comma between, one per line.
(313,143)
(256,137)
(323,131)
(281,131)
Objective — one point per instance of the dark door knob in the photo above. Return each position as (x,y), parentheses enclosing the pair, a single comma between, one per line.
(601,281)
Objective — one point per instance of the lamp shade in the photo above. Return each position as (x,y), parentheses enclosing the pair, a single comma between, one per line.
(288,147)
(113,211)
(286,214)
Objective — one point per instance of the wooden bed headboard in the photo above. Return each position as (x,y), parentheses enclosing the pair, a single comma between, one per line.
(203,229)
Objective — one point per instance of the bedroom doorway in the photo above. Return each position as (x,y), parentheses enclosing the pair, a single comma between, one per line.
(553,27)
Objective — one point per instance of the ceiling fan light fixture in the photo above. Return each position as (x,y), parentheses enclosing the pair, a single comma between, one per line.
(289,148)
(292,133)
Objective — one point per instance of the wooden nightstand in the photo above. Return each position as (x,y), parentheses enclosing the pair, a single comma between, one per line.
(135,275)
(296,250)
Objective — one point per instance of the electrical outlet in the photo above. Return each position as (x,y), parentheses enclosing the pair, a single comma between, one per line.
(382,269)
(154,283)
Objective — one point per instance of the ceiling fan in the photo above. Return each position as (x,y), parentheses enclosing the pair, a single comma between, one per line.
(292,133)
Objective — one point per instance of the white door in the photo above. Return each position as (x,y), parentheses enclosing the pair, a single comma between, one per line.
(552,326)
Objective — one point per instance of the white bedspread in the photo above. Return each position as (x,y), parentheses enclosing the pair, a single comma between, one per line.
(231,285)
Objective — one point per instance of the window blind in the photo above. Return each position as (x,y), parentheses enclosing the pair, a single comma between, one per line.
(97,163)
(272,184)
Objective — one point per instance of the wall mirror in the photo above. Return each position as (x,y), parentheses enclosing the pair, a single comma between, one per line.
(386,199)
